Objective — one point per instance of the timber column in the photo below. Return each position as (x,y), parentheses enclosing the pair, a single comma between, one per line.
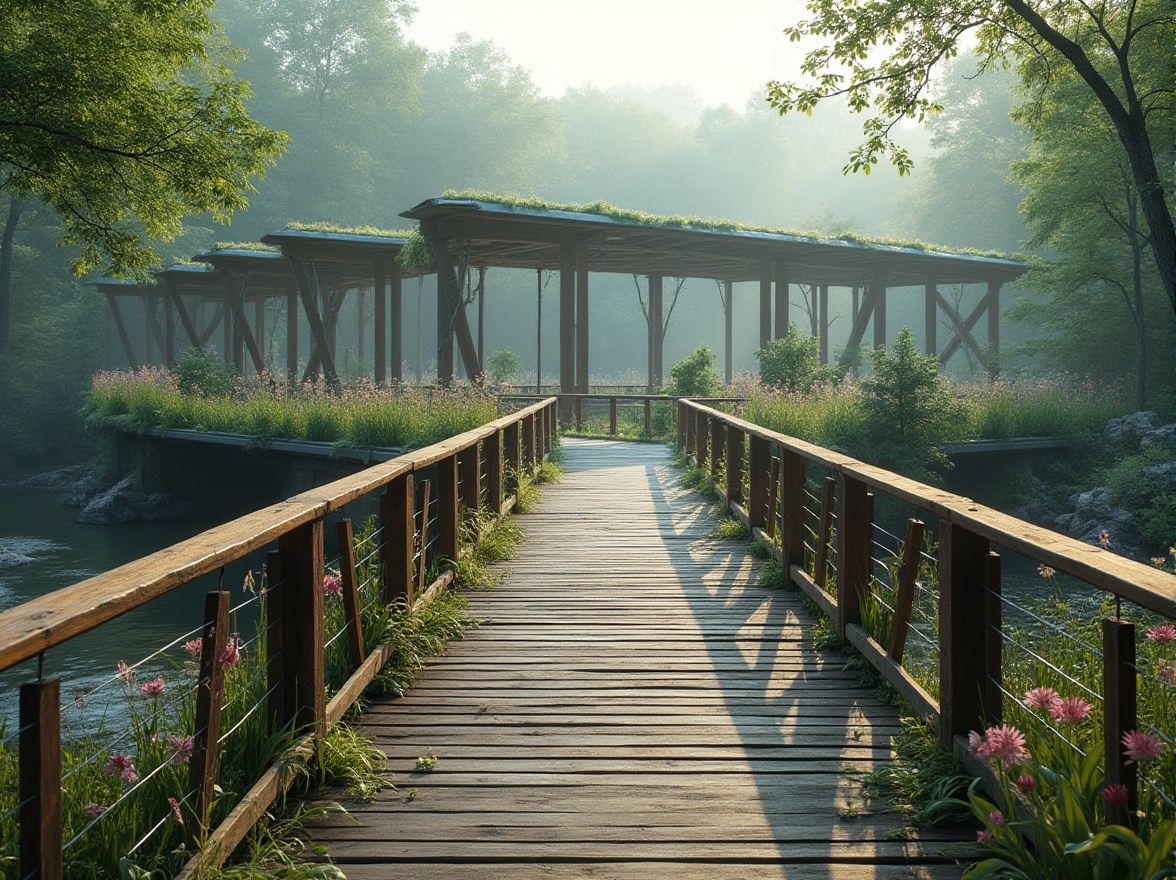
(396,307)
(765,293)
(655,331)
(993,328)
(878,282)
(582,318)
(567,327)
(781,300)
(930,316)
(380,318)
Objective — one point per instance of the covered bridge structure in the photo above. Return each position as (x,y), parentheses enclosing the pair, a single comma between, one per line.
(465,233)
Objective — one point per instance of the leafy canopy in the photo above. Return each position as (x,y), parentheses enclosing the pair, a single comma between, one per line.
(124,117)
(880,55)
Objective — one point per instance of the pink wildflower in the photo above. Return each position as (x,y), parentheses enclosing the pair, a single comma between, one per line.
(121,765)
(1115,794)
(126,673)
(93,810)
(1139,746)
(175,807)
(1104,539)
(182,747)
(983,836)
(1026,783)
(1042,698)
(333,585)
(231,655)
(1163,633)
(1006,744)
(996,817)
(1046,571)
(152,688)
(1166,670)
(194,647)
(975,743)
(1070,710)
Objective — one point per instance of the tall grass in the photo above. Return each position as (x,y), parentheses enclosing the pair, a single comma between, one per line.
(1057,406)
(363,414)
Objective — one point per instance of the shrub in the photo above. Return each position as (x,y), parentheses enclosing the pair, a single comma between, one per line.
(502,366)
(909,409)
(201,372)
(695,375)
(791,363)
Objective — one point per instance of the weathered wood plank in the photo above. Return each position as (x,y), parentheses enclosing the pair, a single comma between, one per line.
(631,701)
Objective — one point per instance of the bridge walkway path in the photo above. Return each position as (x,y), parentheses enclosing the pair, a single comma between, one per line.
(633,705)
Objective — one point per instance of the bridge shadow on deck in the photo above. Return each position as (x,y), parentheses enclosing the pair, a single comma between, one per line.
(633,706)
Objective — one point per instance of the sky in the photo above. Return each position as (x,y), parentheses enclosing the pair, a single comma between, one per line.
(724,51)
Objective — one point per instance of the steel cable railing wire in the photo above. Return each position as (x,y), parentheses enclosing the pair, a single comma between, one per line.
(1034,655)
(1004,690)
(111,743)
(257,705)
(1057,628)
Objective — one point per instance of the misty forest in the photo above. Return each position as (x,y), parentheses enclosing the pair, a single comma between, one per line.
(1017,136)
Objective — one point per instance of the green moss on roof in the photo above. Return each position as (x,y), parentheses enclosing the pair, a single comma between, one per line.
(417,253)
(640,218)
(245,246)
(348,230)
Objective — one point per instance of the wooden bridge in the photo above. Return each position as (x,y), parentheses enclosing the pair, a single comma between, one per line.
(634,704)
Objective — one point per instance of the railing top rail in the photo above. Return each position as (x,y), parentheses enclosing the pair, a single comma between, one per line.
(1145,586)
(49,620)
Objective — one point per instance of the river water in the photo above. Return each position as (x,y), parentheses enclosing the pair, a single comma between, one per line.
(65,552)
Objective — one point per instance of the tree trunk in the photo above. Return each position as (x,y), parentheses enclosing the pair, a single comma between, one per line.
(1137,293)
(16,206)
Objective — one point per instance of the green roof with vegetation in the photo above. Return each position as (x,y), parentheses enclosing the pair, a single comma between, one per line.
(705,224)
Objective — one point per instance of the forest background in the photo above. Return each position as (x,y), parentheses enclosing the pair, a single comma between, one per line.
(378,124)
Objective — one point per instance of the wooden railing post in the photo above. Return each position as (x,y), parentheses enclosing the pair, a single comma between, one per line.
(512,454)
(275,671)
(493,447)
(963,556)
(579,413)
(734,458)
(904,597)
(759,455)
(302,633)
(548,421)
(993,641)
(469,472)
(396,516)
(40,780)
(773,494)
(792,508)
(1119,712)
(210,697)
(718,446)
(648,417)
(685,428)
(854,536)
(350,591)
(825,532)
(701,438)
(449,509)
(612,415)
(528,441)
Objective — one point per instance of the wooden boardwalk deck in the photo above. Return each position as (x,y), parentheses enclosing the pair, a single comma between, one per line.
(632,706)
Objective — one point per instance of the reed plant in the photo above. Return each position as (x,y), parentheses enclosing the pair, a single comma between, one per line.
(361,415)
(832,414)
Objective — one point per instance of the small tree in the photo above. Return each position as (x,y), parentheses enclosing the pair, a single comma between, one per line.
(910,410)
(502,366)
(791,363)
(202,372)
(696,376)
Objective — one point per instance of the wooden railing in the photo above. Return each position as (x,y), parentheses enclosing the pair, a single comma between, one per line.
(576,409)
(476,470)
(768,478)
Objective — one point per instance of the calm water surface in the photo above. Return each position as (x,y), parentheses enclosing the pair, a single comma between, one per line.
(65,552)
